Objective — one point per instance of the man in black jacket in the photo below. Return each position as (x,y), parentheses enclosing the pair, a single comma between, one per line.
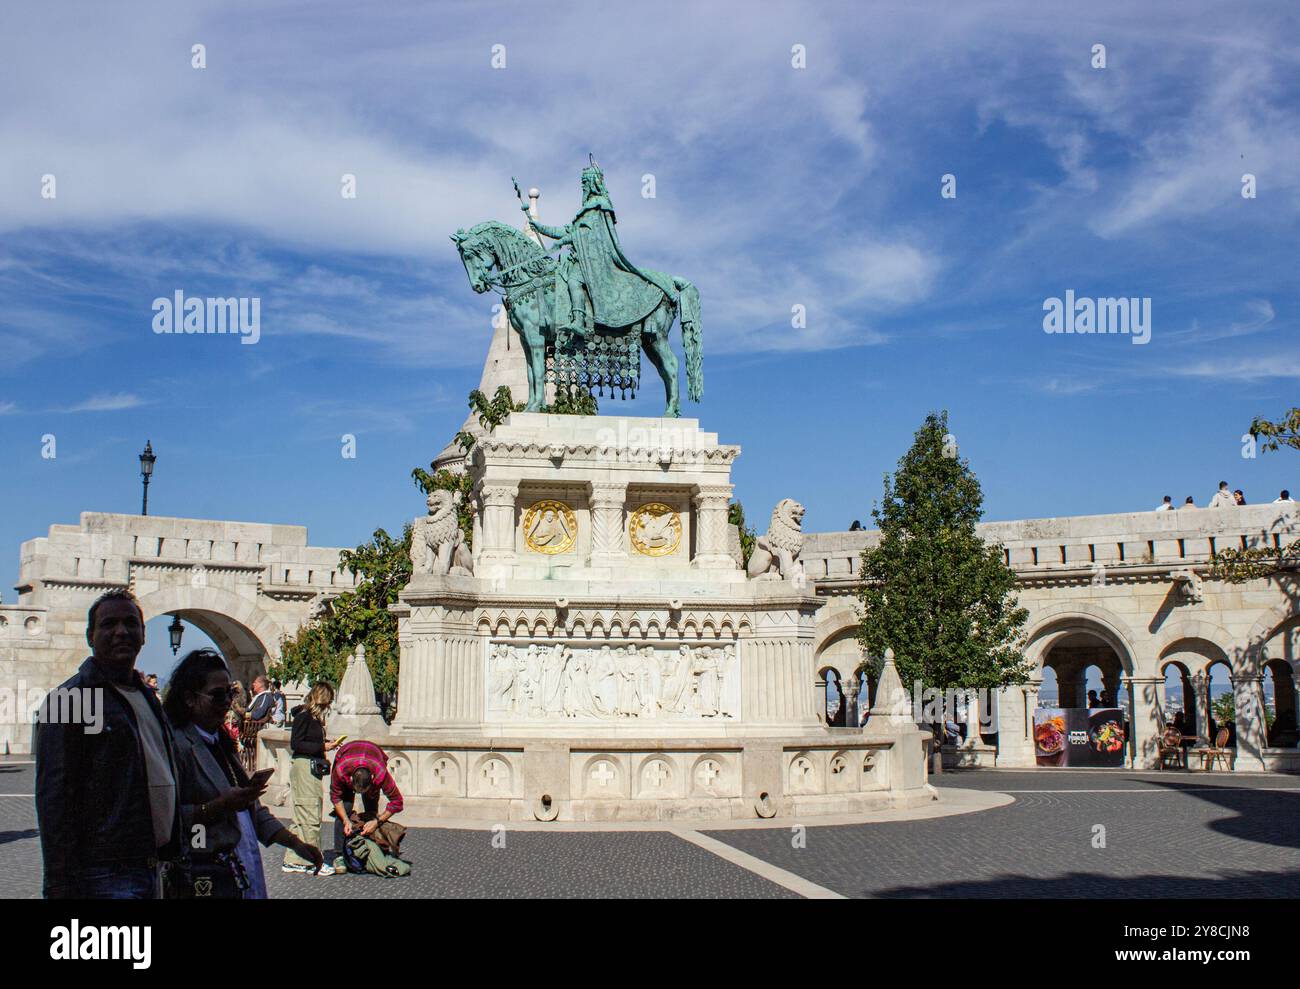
(106,788)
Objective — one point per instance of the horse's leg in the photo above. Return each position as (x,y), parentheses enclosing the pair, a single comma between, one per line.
(536,369)
(654,341)
(521,332)
(524,319)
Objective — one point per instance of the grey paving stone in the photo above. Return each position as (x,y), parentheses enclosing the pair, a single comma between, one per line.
(1167,835)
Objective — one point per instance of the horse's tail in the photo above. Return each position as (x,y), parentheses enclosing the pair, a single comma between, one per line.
(689,310)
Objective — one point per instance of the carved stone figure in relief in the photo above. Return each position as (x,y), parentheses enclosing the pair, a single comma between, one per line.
(776,554)
(620,683)
(629,674)
(553,680)
(501,678)
(605,682)
(707,692)
(578,700)
(677,690)
(533,681)
(651,683)
(437,543)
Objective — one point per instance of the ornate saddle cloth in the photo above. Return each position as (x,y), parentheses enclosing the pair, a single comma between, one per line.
(623,298)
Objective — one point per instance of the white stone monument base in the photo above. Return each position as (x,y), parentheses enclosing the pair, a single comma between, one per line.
(468,776)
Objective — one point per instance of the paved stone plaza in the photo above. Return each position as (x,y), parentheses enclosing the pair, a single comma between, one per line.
(1167,835)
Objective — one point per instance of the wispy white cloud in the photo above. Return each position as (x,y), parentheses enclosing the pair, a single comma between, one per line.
(1243,370)
(1068,386)
(1260,316)
(116,402)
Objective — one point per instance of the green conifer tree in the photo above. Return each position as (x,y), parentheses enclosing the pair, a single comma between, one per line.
(933,590)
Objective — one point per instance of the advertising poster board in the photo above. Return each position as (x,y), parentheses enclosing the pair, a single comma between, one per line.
(1078,736)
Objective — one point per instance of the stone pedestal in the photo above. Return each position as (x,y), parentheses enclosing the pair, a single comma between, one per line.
(1016,706)
(609,659)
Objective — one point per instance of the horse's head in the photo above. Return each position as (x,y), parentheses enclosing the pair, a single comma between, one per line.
(478,257)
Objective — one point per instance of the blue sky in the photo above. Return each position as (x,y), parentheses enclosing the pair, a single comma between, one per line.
(775,187)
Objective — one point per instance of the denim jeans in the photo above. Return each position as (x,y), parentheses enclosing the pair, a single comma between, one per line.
(115,882)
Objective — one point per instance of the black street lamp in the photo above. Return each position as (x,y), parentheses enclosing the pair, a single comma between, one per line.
(146,471)
(174,631)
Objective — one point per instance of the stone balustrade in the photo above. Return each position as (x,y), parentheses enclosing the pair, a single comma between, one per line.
(1039,548)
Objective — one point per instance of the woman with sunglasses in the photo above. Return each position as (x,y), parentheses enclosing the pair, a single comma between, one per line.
(222,817)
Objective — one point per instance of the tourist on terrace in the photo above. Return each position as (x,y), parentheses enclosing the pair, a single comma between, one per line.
(1284,498)
(1238,497)
(1190,502)
(1223,497)
(280,713)
(1167,505)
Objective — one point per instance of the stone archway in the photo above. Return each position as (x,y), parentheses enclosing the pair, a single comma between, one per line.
(1069,639)
(842,655)
(248,639)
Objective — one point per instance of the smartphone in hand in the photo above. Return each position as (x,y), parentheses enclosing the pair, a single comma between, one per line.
(261,777)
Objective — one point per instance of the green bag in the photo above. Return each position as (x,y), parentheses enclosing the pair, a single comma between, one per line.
(376,860)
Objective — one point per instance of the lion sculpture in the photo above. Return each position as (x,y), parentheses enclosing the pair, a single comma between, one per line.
(776,555)
(437,544)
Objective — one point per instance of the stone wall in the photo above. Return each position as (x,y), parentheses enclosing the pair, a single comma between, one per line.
(245,584)
(1135,585)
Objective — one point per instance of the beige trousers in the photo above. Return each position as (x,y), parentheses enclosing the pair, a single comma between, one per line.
(305,789)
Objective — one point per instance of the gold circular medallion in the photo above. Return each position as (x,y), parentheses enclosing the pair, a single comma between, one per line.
(550,527)
(656,530)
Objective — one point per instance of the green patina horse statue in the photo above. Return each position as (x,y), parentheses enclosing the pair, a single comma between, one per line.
(498,256)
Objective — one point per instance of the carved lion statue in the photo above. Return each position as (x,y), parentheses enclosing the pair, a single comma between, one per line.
(776,555)
(437,543)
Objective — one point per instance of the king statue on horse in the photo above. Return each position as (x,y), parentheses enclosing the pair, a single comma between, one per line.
(595,278)
(584,319)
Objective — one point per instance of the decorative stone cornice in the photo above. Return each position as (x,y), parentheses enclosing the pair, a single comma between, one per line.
(596,453)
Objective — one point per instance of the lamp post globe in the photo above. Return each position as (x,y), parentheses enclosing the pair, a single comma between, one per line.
(174,632)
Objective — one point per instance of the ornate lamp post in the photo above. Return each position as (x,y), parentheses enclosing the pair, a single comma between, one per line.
(174,631)
(146,471)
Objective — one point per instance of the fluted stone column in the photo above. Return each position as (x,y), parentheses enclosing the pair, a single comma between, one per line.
(1145,696)
(1201,686)
(711,551)
(498,501)
(1252,732)
(608,501)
